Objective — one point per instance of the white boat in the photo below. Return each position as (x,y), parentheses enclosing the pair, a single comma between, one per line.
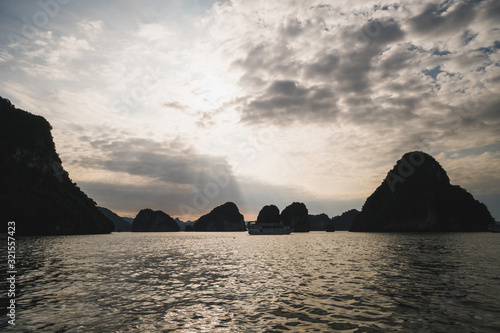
(268,229)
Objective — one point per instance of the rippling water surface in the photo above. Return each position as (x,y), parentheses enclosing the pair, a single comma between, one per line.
(233,282)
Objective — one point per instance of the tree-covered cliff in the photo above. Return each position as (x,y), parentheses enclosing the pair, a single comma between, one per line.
(35,191)
(269,214)
(417,196)
(319,222)
(342,222)
(119,223)
(296,216)
(226,217)
(154,221)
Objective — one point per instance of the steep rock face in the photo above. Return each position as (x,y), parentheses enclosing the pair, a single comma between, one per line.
(296,216)
(269,214)
(119,223)
(417,196)
(222,218)
(343,222)
(183,224)
(154,221)
(319,222)
(129,220)
(35,191)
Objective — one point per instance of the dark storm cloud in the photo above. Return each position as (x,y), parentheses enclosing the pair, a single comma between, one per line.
(441,18)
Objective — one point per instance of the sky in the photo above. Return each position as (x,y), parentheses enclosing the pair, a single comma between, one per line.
(182,106)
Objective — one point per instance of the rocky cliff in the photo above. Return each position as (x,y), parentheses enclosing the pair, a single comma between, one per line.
(154,221)
(119,223)
(343,222)
(319,222)
(184,224)
(35,191)
(269,214)
(223,218)
(417,196)
(296,216)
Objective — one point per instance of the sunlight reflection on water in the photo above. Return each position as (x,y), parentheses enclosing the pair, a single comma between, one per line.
(233,282)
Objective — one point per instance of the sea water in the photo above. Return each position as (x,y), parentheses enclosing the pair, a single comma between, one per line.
(234,282)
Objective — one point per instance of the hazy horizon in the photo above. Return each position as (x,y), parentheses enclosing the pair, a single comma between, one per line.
(181,106)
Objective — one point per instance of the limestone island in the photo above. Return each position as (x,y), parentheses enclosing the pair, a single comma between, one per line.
(417,195)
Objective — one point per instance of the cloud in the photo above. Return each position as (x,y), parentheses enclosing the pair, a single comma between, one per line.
(153,32)
(170,162)
(444,17)
(310,82)
(68,49)
(285,101)
(323,67)
(92,29)
(491,11)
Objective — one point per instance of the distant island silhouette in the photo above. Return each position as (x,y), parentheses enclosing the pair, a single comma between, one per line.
(222,218)
(38,194)
(154,221)
(119,222)
(343,222)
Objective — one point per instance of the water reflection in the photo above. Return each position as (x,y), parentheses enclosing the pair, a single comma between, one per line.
(427,278)
(238,283)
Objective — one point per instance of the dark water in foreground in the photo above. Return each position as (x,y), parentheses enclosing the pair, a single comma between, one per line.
(233,282)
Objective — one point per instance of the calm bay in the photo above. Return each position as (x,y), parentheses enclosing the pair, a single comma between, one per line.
(234,282)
